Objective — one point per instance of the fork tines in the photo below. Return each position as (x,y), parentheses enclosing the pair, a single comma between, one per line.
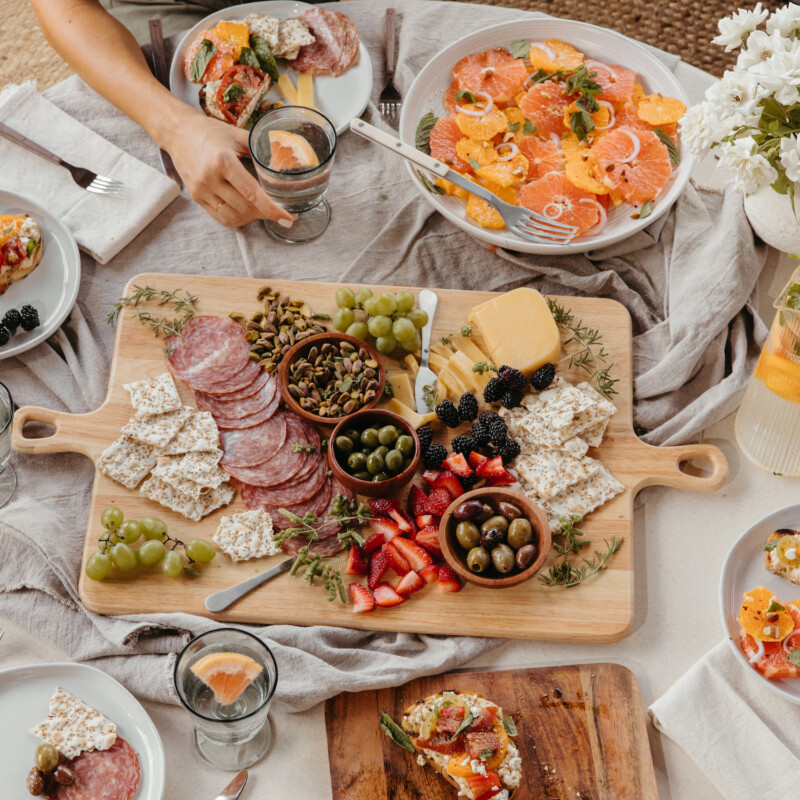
(103,185)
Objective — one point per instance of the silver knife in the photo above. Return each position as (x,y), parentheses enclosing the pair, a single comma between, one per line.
(219,601)
(234,788)
(426,376)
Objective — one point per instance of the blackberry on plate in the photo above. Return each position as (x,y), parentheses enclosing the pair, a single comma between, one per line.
(543,377)
(511,399)
(510,450)
(511,377)
(486,416)
(4,335)
(448,413)
(30,318)
(494,390)
(467,407)
(12,319)
(480,433)
(498,432)
(425,437)
(463,444)
(434,456)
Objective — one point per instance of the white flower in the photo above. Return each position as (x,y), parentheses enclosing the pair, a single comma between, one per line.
(736,97)
(785,20)
(780,75)
(734,30)
(750,169)
(790,158)
(760,47)
(702,126)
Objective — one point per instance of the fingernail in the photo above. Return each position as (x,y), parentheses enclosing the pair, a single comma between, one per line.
(286,223)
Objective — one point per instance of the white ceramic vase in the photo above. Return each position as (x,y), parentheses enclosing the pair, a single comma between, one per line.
(773,220)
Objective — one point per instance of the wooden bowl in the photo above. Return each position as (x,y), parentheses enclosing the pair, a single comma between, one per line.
(377,418)
(457,559)
(303,347)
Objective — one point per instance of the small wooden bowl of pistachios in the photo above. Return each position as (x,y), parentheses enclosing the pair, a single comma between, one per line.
(329,376)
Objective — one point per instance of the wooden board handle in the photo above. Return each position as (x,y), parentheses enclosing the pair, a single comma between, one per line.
(665,466)
(73,432)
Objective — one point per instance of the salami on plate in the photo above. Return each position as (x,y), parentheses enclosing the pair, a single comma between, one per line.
(248,447)
(220,406)
(291,493)
(241,384)
(224,423)
(335,48)
(329,543)
(111,774)
(251,388)
(317,504)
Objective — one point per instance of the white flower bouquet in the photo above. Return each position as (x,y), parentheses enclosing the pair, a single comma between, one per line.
(751,117)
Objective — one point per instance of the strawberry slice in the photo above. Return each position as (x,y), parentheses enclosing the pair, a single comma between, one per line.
(403,519)
(356,563)
(458,465)
(373,543)
(448,580)
(429,539)
(388,527)
(417,557)
(476,459)
(362,599)
(504,480)
(493,468)
(386,596)
(430,475)
(378,564)
(382,505)
(416,501)
(485,786)
(439,500)
(485,720)
(396,560)
(410,582)
(425,520)
(430,574)
(447,480)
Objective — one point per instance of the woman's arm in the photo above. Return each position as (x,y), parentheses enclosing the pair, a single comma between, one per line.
(205,151)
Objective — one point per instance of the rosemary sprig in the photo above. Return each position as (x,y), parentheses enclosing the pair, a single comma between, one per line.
(317,567)
(146,293)
(466,332)
(346,513)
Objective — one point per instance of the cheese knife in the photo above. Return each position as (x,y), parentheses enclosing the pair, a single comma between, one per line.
(234,788)
(219,601)
(425,376)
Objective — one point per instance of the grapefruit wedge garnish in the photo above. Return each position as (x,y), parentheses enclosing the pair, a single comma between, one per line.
(226,674)
(495,72)
(290,151)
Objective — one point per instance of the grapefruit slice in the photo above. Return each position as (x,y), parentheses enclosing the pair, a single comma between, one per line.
(555,197)
(485,127)
(772,663)
(226,674)
(449,99)
(618,82)
(544,104)
(290,151)
(444,139)
(543,155)
(495,72)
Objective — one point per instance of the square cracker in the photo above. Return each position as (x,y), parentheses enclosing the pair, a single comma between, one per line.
(159,429)
(193,508)
(127,461)
(199,433)
(154,395)
(264,26)
(200,467)
(582,498)
(292,35)
(246,535)
(551,472)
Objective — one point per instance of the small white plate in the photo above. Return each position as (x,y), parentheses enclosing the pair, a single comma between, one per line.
(340,98)
(744,570)
(52,288)
(24,702)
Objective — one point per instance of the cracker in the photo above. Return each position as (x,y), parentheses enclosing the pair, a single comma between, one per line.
(265,27)
(576,446)
(292,35)
(154,395)
(159,429)
(200,467)
(246,535)
(199,433)
(127,461)
(193,508)
(551,472)
(584,497)
(593,435)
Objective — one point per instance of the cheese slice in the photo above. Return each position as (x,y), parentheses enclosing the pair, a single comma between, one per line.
(305,90)
(412,364)
(286,88)
(408,414)
(441,349)
(460,363)
(518,329)
(453,384)
(403,390)
(465,345)
(437,362)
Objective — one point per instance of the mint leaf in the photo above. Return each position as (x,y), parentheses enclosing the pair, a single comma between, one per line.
(465,94)
(429,184)
(646,210)
(794,657)
(249,58)
(581,124)
(528,128)
(770,546)
(474,164)
(395,732)
(513,126)
(233,92)
(511,728)
(520,48)
(266,59)
(774,606)
(422,137)
(672,148)
(204,54)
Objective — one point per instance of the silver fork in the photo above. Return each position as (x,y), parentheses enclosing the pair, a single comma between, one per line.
(85,178)
(525,224)
(390,100)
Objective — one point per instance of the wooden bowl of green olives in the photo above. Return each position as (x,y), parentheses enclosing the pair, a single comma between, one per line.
(495,537)
(374,452)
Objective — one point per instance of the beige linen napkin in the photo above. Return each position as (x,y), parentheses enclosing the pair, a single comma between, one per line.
(741,735)
(102,224)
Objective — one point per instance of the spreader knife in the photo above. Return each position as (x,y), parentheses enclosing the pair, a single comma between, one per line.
(219,601)
(234,788)
(426,376)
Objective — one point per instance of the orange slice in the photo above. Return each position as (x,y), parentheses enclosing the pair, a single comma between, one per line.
(226,674)
(566,56)
(484,127)
(658,110)
(289,151)
(752,615)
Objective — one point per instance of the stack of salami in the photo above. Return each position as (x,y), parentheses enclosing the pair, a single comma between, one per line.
(274,454)
(335,47)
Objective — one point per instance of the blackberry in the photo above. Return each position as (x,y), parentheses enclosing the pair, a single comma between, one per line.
(434,456)
(448,413)
(12,319)
(486,416)
(4,335)
(543,377)
(468,481)
(30,318)
(494,390)
(512,378)
(480,433)
(467,407)
(511,399)
(510,450)
(425,437)
(463,444)
(498,432)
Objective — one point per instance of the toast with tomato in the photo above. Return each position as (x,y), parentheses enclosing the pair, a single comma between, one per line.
(236,96)
(468,741)
(20,248)
(782,554)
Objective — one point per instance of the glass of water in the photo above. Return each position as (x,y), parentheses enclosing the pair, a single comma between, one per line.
(226,679)
(8,478)
(292,149)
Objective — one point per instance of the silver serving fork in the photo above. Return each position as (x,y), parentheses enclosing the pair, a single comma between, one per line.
(525,224)
(390,100)
(85,178)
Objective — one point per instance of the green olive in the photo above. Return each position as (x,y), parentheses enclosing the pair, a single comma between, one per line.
(369,438)
(509,510)
(353,435)
(478,559)
(388,434)
(344,444)
(375,463)
(503,558)
(363,475)
(394,461)
(495,522)
(46,758)
(381,476)
(357,462)
(467,534)
(381,450)
(520,533)
(405,444)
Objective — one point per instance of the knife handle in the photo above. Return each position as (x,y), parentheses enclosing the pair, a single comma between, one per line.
(428,301)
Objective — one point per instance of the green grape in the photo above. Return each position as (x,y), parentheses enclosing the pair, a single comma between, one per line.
(385,304)
(98,566)
(404,301)
(343,319)
(151,552)
(385,344)
(130,531)
(380,325)
(418,317)
(200,550)
(362,295)
(172,565)
(413,345)
(153,527)
(112,517)
(124,557)
(345,298)
(108,536)
(359,330)
(370,305)
(404,330)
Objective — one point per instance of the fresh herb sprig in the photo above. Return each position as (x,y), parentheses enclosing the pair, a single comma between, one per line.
(429,393)
(303,448)
(466,332)
(317,567)
(395,732)
(346,513)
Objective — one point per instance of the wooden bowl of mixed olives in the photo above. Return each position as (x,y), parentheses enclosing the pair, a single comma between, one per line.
(495,537)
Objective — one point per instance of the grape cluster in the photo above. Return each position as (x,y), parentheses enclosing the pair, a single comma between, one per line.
(114,547)
(389,320)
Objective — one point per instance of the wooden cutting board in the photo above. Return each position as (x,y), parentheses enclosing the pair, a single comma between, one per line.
(599,610)
(582,734)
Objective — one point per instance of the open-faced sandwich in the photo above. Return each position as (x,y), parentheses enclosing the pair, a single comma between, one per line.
(20,248)
(768,634)
(782,554)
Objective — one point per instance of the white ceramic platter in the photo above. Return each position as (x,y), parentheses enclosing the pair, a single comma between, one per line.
(744,570)
(340,98)
(429,87)
(24,701)
(52,287)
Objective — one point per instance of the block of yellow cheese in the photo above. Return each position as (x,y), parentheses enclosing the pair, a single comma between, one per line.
(461,367)
(412,364)
(403,390)
(287,89)
(465,345)
(408,414)
(518,329)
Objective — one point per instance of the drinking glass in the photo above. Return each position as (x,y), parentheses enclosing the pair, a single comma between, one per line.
(8,478)
(236,735)
(300,190)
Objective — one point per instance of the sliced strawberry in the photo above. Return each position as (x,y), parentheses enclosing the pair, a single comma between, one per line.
(476,459)
(448,580)
(493,468)
(485,720)
(425,520)
(388,527)
(356,563)
(395,557)
(430,475)
(503,480)
(386,596)
(378,564)
(416,501)
(416,556)
(485,786)
(410,583)
(439,500)
(430,574)
(362,599)
(404,520)
(450,718)
(429,539)
(447,480)
(477,742)
(458,465)
(382,505)
(373,543)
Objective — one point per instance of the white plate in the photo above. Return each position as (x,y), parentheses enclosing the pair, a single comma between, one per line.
(52,287)
(24,701)
(744,570)
(429,87)
(340,98)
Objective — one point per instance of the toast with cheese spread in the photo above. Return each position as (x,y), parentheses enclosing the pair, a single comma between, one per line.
(782,554)
(20,248)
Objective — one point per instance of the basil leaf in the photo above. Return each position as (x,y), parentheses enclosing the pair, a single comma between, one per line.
(646,210)
(396,733)
(486,753)
(528,128)
(422,137)
(520,48)
(263,52)
(31,247)
(794,657)
(233,92)
(511,728)
(204,54)
(774,606)
(474,164)
(770,546)
(249,58)
(465,94)
(541,75)
(669,143)
(429,184)
(513,126)
(465,723)
(581,124)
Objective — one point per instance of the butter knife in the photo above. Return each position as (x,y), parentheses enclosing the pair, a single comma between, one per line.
(425,376)
(234,788)
(219,601)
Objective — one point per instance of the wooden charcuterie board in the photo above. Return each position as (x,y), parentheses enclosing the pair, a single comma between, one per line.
(599,610)
(582,734)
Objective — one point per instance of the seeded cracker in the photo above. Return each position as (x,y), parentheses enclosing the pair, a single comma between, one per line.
(202,468)
(159,429)
(246,535)
(193,508)
(292,35)
(154,395)
(127,462)
(551,472)
(198,434)
(265,27)
(73,727)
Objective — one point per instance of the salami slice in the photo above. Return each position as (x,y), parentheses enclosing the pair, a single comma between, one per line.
(226,424)
(251,388)
(335,47)
(248,447)
(291,493)
(241,381)
(111,774)
(316,504)
(219,406)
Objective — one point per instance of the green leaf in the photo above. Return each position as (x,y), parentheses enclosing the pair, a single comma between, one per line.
(31,246)
(429,184)
(511,728)
(396,733)
(581,81)
(775,606)
(581,124)
(528,128)
(422,137)
(476,165)
(520,48)
(669,143)
(513,126)
(465,723)
(466,331)
(486,753)
(646,210)
(465,94)
(204,54)
(794,657)
(542,75)
(233,92)
(266,59)
(249,58)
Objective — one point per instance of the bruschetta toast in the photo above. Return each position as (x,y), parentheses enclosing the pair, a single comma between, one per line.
(782,554)
(20,248)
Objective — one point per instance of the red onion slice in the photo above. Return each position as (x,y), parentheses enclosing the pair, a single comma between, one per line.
(758,655)
(475,112)
(610,108)
(599,65)
(546,49)
(512,151)
(555,139)
(603,216)
(787,639)
(558,210)
(635,141)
